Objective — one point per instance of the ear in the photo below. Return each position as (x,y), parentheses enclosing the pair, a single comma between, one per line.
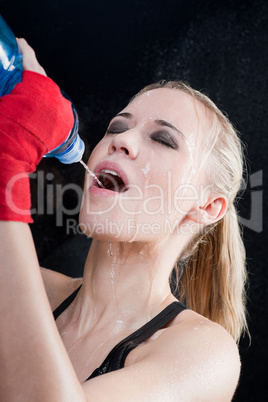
(214,210)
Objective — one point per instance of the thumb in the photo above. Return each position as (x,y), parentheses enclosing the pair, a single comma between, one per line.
(30,61)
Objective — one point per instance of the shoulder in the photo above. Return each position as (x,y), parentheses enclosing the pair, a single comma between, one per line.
(199,357)
(58,286)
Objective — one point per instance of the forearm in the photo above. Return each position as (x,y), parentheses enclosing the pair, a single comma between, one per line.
(33,362)
(34,365)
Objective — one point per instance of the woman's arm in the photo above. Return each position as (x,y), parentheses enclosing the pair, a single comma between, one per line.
(33,362)
(35,118)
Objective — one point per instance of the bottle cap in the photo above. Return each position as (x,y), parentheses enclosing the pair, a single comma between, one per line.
(72,149)
(73,153)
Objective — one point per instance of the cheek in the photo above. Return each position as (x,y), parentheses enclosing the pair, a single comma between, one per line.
(97,154)
(175,192)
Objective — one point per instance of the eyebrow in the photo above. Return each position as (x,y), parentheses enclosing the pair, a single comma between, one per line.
(158,122)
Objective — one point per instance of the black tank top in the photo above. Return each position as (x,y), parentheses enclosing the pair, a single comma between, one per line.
(116,358)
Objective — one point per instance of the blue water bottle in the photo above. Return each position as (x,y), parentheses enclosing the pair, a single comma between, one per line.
(11,74)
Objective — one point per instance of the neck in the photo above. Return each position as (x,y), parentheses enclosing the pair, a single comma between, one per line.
(123,281)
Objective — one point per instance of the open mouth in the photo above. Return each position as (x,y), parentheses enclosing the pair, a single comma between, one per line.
(112,181)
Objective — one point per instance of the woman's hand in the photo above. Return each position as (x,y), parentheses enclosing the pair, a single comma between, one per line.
(34,119)
(30,61)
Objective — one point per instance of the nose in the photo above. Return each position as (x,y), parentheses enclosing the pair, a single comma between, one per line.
(124,143)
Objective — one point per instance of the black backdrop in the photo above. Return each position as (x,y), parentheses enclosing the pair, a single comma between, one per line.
(101,53)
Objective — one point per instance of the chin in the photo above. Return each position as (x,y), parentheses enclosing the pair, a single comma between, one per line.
(105,227)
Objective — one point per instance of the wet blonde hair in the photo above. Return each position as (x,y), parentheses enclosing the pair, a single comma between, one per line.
(211,273)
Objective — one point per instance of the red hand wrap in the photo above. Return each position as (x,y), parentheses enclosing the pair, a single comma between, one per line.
(34,119)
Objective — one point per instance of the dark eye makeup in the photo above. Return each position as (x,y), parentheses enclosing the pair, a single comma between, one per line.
(164,138)
(161,136)
(117,128)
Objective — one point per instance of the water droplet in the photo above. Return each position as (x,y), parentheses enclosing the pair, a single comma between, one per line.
(109,252)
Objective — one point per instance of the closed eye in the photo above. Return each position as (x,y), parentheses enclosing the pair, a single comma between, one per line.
(164,138)
(117,128)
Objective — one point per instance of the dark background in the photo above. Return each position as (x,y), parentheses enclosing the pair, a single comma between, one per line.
(101,53)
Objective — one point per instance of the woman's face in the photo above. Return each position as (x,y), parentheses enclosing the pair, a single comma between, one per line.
(148,162)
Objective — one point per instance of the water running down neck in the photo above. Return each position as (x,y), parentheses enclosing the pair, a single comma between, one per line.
(91,173)
(109,252)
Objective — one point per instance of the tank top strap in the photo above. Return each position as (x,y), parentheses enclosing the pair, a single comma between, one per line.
(65,303)
(116,358)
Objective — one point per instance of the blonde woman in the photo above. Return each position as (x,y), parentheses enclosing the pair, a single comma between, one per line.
(170,165)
